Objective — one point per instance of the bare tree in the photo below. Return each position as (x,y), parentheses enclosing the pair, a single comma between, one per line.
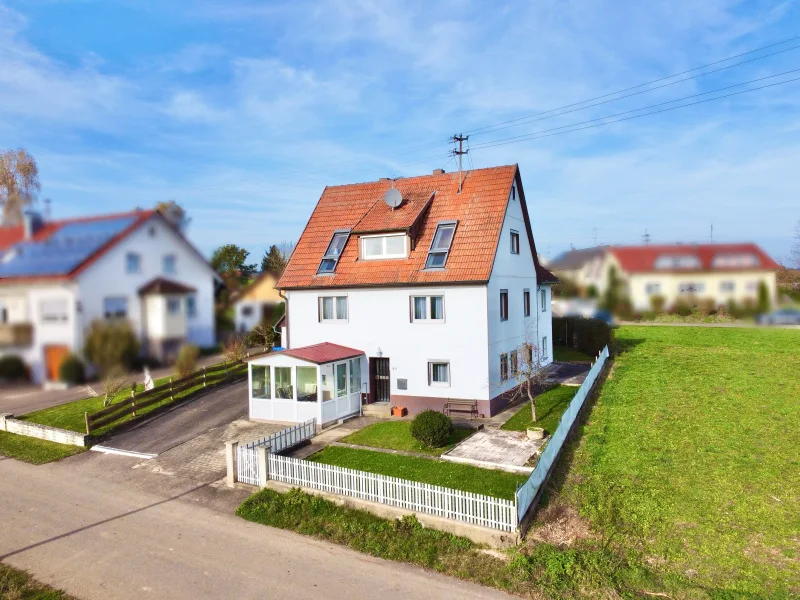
(19,183)
(262,335)
(796,246)
(235,348)
(286,247)
(527,369)
(115,380)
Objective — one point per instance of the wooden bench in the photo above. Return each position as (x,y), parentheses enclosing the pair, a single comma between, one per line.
(461,406)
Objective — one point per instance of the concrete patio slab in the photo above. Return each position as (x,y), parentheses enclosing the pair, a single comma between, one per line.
(496,449)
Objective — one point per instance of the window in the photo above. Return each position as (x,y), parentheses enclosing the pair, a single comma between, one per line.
(526,302)
(331,257)
(355,375)
(513,192)
(751,286)
(543,299)
(191,306)
(691,288)
(727,286)
(168,263)
(259,382)
(544,347)
(115,308)
(54,311)
(333,308)
(341,380)
(440,246)
(384,246)
(306,384)
(680,261)
(514,242)
(652,288)
(514,364)
(504,305)
(503,367)
(527,355)
(3,314)
(133,262)
(735,260)
(247,311)
(173,306)
(439,373)
(283,383)
(427,308)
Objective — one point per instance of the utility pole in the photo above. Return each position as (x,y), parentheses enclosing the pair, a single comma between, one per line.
(594,229)
(712,233)
(460,138)
(646,238)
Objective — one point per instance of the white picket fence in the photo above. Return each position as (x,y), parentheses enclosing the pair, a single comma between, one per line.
(448,503)
(247,454)
(528,490)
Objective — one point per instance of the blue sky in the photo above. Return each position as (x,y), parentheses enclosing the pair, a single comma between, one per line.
(244,111)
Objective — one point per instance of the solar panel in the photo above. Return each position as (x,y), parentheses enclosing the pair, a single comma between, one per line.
(64,250)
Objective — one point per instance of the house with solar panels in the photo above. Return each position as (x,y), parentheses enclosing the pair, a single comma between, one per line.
(417,292)
(58,276)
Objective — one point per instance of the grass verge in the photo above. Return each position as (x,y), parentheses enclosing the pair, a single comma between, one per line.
(550,405)
(499,484)
(396,435)
(564,354)
(34,450)
(20,585)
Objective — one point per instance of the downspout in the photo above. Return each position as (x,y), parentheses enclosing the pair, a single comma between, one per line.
(284,342)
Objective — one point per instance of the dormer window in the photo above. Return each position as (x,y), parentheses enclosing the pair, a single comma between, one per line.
(374,247)
(735,260)
(334,251)
(680,261)
(440,246)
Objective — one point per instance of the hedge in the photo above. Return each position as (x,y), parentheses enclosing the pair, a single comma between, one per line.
(589,336)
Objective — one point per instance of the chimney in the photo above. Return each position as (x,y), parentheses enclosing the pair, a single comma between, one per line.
(32,222)
(438,171)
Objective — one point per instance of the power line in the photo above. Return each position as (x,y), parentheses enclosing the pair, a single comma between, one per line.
(474,131)
(536,134)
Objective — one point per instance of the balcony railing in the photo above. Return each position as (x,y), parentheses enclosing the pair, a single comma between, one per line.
(16,334)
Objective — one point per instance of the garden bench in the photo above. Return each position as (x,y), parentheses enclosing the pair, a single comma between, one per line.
(461,406)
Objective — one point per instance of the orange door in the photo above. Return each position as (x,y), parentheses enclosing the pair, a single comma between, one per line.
(53,356)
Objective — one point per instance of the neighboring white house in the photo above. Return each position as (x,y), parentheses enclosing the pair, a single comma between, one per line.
(437,294)
(56,277)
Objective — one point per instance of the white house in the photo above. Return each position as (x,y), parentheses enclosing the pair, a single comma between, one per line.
(56,277)
(436,288)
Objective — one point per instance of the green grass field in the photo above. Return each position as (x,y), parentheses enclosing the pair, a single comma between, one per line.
(458,476)
(564,354)
(550,405)
(691,457)
(19,585)
(34,450)
(396,435)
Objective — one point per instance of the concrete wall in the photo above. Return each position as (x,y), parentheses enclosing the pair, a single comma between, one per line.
(43,432)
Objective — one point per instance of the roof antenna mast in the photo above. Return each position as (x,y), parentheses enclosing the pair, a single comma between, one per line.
(460,138)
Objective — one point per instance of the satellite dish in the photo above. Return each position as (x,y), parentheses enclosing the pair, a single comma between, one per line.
(393,197)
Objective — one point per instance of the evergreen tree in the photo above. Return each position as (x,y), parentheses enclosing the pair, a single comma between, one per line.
(273,261)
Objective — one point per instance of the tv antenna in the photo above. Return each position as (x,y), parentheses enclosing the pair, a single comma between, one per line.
(646,238)
(460,152)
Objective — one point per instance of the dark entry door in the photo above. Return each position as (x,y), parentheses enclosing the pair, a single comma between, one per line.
(379,380)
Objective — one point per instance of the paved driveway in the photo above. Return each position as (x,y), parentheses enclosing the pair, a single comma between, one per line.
(184,422)
(28,398)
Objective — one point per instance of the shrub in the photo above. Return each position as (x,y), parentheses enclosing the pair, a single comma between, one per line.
(431,428)
(764,303)
(186,362)
(657,303)
(111,344)
(591,292)
(707,306)
(71,370)
(589,336)
(682,308)
(12,367)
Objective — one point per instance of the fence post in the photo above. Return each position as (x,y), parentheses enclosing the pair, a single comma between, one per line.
(231,452)
(86,420)
(133,401)
(204,377)
(262,452)
(171,397)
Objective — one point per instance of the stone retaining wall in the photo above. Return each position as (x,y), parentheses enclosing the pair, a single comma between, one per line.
(43,432)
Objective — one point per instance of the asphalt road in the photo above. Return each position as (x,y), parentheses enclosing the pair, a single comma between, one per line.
(104,540)
(185,421)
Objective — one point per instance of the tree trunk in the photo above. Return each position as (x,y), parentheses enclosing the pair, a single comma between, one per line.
(532,399)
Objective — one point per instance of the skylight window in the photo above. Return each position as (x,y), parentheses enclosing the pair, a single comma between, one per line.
(331,257)
(440,247)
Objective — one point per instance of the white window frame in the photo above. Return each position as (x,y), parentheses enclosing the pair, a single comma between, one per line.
(433,383)
(691,287)
(513,364)
(123,298)
(335,300)
(514,238)
(53,317)
(503,377)
(544,348)
(191,306)
(177,303)
(428,311)
(526,302)
(543,299)
(128,258)
(165,259)
(728,286)
(383,236)
(507,307)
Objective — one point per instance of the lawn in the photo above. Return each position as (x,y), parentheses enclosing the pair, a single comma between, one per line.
(34,450)
(564,354)
(550,405)
(396,435)
(71,415)
(499,484)
(690,456)
(17,584)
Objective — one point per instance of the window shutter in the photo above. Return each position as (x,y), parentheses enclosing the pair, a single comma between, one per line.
(411,309)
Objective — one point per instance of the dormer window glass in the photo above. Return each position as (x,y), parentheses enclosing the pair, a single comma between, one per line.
(375,247)
(440,246)
(680,261)
(334,252)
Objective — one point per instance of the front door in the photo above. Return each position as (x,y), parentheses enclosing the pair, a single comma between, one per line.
(379,382)
(53,357)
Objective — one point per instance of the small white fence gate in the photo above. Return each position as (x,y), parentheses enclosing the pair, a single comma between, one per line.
(247,454)
(528,490)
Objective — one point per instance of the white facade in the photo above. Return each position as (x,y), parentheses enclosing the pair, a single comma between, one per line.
(82,299)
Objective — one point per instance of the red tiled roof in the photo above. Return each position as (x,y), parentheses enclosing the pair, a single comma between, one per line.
(11,235)
(641,259)
(479,209)
(322,353)
(160,285)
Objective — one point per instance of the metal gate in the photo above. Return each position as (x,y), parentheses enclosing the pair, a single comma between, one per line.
(379,383)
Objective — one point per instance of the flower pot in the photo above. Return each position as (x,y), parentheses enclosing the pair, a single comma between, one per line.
(536,433)
(399,411)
